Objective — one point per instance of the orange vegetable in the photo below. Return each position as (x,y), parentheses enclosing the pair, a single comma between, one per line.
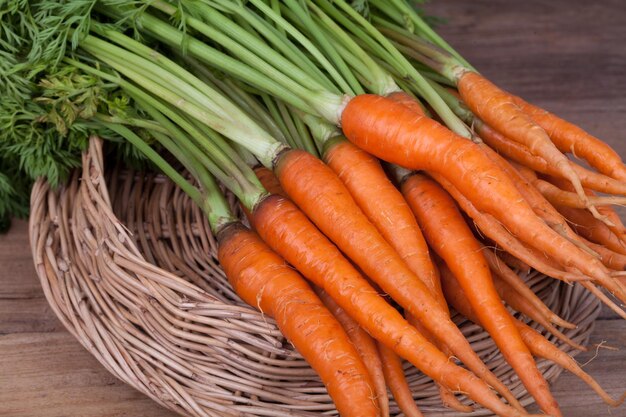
(366,347)
(289,232)
(447,233)
(394,375)
(318,191)
(501,271)
(366,121)
(521,154)
(262,279)
(537,344)
(570,138)
(497,108)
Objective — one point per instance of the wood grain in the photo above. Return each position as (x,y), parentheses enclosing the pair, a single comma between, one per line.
(51,375)
(567,56)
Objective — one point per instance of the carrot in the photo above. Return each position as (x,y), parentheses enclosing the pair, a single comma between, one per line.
(497,108)
(363,175)
(593,229)
(514,263)
(501,271)
(542,348)
(521,154)
(558,197)
(520,304)
(289,232)
(610,217)
(365,346)
(537,344)
(367,121)
(612,260)
(571,138)
(318,191)
(396,381)
(262,279)
(537,202)
(496,231)
(407,101)
(269,181)
(539,261)
(447,233)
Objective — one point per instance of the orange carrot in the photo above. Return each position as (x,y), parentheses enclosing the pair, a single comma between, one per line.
(269,181)
(521,154)
(571,138)
(396,381)
(613,260)
(607,215)
(496,231)
(318,191)
(501,271)
(537,344)
(492,228)
(537,201)
(520,304)
(593,229)
(365,346)
(366,121)
(447,233)
(288,231)
(363,176)
(559,197)
(361,173)
(497,108)
(262,279)
(513,262)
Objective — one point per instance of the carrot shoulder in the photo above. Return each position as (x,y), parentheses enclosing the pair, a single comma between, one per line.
(448,234)
(264,280)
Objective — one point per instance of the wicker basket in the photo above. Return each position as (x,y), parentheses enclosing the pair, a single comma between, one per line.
(128,265)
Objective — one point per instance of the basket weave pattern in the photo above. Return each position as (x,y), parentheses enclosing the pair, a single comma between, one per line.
(127,262)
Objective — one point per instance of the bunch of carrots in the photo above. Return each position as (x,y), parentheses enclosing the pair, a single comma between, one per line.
(385,181)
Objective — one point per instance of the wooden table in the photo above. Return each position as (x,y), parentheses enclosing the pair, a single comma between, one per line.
(568,56)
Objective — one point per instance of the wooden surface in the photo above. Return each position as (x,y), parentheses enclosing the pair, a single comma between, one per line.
(568,56)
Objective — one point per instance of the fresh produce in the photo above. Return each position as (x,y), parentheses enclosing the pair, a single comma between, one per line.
(299,108)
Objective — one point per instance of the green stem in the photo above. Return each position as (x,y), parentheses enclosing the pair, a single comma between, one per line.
(140,123)
(214,205)
(378,79)
(237,95)
(243,130)
(219,158)
(298,14)
(174,38)
(276,36)
(161,163)
(306,43)
(369,35)
(423,27)
(247,47)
